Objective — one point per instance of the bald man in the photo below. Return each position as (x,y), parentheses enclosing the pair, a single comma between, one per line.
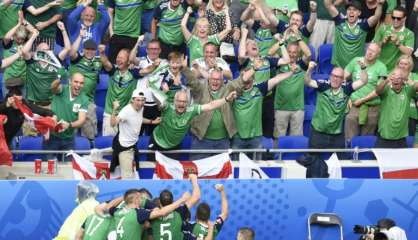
(327,122)
(84,17)
(364,111)
(70,105)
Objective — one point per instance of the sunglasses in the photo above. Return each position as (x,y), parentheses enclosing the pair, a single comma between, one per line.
(397,18)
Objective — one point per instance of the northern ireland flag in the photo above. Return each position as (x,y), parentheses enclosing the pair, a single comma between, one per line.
(41,124)
(218,166)
(85,169)
(397,163)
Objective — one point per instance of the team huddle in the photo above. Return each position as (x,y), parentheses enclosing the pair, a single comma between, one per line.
(137,215)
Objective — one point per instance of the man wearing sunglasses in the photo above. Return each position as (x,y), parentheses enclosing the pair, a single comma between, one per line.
(395,39)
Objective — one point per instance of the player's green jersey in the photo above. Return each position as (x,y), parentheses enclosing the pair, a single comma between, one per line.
(96,227)
(200,230)
(169,227)
(129,223)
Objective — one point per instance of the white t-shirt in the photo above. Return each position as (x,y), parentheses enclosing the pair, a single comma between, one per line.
(153,78)
(129,125)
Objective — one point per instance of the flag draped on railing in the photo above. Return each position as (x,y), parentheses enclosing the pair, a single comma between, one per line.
(397,163)
(6,157)
(218,166)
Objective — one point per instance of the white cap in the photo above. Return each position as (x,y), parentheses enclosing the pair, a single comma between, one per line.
(138,93)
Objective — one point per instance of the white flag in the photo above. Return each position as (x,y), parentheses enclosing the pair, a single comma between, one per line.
(397,163)
(217,166)
(334,167)
(248,169)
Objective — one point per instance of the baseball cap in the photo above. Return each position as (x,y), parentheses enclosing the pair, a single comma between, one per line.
(353,3)
(138,93)
(90,44)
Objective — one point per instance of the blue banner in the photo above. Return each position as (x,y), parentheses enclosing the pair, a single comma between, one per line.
(275,209)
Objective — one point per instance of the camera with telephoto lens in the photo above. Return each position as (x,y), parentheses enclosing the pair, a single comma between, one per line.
(365,230)
(368,231)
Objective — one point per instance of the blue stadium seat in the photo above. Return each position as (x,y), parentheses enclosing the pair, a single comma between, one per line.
(103,142)
(142,144)
(186,144)
(81,143)
(364,142)
(410,141)
(309,95)
(101,90)
(99,116)
(313,52)
(292,142)
(309,111)
(1,82)
(30,143)
(324,58)
(267,143)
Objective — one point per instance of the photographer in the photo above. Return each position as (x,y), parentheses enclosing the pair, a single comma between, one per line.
(385,229)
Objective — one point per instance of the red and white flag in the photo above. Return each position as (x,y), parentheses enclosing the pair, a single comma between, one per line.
(6,157)
(41,124)
(218,166)
(85,169)
(397,163)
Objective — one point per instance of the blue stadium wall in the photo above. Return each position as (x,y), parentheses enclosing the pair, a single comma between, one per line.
(276,209)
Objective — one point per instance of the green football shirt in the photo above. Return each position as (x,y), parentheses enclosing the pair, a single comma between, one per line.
(127,19)
(390,52)
(69,4)
(196,47)
(129,223)
(49,31)
(413,106)
(290,94)
(264,38)
(18,68)
(330,108)
(121,86)
(247,110)
(90,69)
(9,16)
(67,108)
(169,227)
(395,126)
(38,81)
(201,230)
(96,227)
(169,23)
(216,129)
(173,127)
(349,40)
(374,71)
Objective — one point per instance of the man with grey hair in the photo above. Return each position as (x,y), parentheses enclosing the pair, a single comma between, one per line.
(245,233)
(364,111)
(177,119)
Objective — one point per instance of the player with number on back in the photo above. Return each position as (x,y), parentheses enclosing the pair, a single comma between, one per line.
(169,227)
(97,226)
(131,218)
(202,226)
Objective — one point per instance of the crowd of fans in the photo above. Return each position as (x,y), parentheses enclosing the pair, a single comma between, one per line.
(230,72)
